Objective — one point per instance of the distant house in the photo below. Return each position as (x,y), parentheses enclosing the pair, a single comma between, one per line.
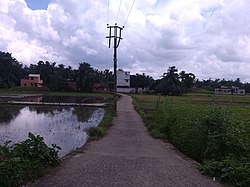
(123,81)
(238,91)
(98,87)
(229,91)
(139,90)
(32,81)
(71,85)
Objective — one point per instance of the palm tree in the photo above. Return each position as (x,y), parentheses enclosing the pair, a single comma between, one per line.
(187,80)
(170,84)
(84,73)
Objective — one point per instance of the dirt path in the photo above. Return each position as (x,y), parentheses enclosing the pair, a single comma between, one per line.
(127,156)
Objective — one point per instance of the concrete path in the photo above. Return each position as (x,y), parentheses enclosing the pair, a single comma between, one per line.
(127,156)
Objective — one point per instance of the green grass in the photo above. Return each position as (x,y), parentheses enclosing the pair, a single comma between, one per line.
(99,131)
(213,130)
(236,104)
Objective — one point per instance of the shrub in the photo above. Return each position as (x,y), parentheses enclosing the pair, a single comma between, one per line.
(26,161)
(230,169)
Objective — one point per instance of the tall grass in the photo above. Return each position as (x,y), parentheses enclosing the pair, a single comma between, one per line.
(209,134)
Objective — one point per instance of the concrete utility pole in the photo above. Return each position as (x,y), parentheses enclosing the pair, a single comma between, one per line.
(115,32)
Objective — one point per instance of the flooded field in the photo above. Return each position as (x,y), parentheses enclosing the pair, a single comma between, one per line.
(64,126)
(53,99)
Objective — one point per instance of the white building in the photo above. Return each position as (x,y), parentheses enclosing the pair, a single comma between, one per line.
(123,81)
(229,91)
(237,91)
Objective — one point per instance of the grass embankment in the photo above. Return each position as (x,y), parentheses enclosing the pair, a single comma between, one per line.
(99,131)
(213,130)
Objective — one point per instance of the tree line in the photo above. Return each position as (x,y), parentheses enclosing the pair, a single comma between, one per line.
(55,77)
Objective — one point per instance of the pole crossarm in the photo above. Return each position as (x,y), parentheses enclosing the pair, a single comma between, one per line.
(116,34)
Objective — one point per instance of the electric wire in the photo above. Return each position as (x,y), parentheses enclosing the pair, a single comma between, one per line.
(129,13)
(106,48)
(118,11)
(108,13)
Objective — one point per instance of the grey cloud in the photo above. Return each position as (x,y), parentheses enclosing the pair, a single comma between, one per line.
(210,39)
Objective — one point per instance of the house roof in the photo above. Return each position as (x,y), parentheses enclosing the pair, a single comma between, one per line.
(34,75)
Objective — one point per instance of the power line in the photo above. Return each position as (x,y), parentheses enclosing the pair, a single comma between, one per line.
(118,11)
(129,12)
(108,13)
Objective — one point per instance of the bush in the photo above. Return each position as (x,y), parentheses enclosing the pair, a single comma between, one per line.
(230,169)
(26,161)
(156,133)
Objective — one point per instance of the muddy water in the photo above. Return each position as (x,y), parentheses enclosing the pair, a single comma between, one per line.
(64,126)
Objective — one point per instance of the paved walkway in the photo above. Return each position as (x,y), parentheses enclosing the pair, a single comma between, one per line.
(127,156)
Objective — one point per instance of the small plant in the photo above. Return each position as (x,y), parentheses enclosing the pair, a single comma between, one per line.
(26,161)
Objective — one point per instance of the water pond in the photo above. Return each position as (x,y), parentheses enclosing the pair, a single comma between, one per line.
(54,99)
(64,126)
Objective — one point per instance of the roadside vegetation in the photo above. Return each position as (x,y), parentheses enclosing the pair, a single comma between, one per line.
(213,130)
(98,132)
(26,161)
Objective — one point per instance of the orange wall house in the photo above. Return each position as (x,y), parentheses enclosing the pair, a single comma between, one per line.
(33,81)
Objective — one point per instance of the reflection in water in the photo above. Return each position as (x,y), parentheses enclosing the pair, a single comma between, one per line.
(62,126)
(82,116)
(48,109)
(8,113)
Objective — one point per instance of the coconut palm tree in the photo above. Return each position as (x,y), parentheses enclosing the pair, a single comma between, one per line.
(170,83)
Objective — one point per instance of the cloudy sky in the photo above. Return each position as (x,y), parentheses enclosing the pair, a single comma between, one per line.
(210,38)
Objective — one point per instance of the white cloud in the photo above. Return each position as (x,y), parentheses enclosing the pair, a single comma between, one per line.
(209,38)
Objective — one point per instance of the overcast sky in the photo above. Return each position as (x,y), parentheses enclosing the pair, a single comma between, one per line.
(210,38)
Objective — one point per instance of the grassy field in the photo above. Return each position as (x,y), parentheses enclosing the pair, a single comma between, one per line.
(212,129)
(237,104)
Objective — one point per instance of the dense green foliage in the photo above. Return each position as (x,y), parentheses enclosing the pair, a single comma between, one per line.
(11,71)
(57,77)
(173,83)
(210,135)
(26,161)
(214,136)
(141,81)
